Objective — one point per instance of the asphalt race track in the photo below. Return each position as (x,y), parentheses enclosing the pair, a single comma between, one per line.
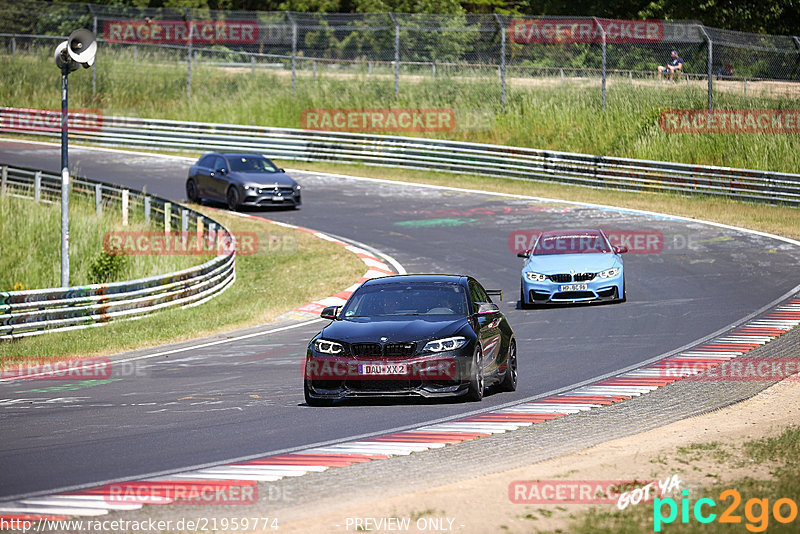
(244,397)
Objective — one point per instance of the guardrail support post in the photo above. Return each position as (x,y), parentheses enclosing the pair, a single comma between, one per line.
(502,31)
(184,227)
(710,73)
(294,51)
(603,81)
(314,70)
(212,236)
(396,54)
(147,208)
(37,186)
(167,216)
(3,180)
(14,45)
(199,232)
(94,65)
(125,199)
(98,199)
(188,18)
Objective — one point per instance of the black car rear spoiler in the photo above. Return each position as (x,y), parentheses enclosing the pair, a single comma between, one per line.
(495,293)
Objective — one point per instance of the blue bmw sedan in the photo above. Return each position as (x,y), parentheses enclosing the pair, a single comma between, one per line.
(568,266)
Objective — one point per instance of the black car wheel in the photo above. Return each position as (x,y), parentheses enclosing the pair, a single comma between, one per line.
(624,290)
(476,380)
(191,191)
(312,401)
(232,197)
(509,382)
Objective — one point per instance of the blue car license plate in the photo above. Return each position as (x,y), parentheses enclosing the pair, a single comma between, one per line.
(574,287)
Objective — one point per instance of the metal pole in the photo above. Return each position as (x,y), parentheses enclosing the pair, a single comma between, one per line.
(710,67)
(37,186)
(13,45)
(502,60)
(98,199)
(603,85)
(147,208)
(125,202)
(94,65)
(314,67)
(167,215)
(188,19)
(396,54)
(64,178)
(3,180)
(294,50)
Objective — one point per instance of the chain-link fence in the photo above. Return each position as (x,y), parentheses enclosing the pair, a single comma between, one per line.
(479,60)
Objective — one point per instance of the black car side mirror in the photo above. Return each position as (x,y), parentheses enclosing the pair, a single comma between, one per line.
(222,172)
(523,255)
(330,312)
(620,249)
(281,170)
(485,308)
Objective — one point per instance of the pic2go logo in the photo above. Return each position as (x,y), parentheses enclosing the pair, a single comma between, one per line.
(756,511)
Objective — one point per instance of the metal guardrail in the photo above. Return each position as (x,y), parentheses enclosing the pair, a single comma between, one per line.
(427,154)
(37,311)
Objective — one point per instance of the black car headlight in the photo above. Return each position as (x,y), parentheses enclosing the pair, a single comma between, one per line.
(445,344)
(328,347)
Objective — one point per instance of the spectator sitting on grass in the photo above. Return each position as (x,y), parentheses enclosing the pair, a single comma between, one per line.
(675,64)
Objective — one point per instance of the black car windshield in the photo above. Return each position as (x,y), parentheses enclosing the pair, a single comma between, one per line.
(577,243)
(407,299)
(251,164)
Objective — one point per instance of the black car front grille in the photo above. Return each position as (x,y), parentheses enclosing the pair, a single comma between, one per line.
(284,191)
(398,384)
(560,278)
(399,350)
(584,277)
(389,350)
(366,350)
(565,295)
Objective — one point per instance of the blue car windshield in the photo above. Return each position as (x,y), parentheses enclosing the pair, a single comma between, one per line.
(407,299)
(578,243)
(251,164)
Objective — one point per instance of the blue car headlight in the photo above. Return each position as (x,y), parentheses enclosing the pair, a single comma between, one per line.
(535,277)
(445,344)
(609,273)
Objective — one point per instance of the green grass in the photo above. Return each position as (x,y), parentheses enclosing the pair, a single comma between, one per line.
(540,113)
(778,452)
(30,245)
(282,275)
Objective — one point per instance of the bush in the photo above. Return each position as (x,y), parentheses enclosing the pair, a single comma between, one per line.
(106,267)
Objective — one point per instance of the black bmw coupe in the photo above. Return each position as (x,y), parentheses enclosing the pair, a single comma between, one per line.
(423,335)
